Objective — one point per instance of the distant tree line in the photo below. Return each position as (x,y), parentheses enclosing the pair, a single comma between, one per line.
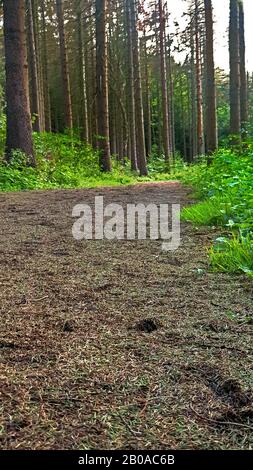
(108,70)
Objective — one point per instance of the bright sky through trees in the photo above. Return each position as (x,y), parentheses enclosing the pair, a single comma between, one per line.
(221,14)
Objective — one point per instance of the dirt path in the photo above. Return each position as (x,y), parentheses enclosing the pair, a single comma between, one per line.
(77,373)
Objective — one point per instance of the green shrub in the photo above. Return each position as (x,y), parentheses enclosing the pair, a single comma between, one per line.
(63,161)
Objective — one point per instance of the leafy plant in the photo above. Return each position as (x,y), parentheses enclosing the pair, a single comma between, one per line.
(63,161)
(227,192)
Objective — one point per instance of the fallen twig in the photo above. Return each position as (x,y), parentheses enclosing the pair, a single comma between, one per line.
(222,423)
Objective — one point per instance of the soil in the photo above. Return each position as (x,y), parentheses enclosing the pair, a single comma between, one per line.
(118,344)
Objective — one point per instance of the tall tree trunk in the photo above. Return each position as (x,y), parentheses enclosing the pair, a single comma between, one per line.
(131,97)
(211,116)
(189,123)
(182,106)
(200,123)
(194,149)
(35,98)
(82,81)
(234,53)
(102,85)
(158,135)
(165,104)
(159,121)
(113,126)
(93,91)
(64,66)
(171,101)
(147,108)
(38,48)
(19,128)
(243,74)
(140,134)
(90,68)
(47,106)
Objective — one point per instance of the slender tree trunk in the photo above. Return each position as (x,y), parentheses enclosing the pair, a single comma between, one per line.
(159,137)
(189,109)
(64,66)
(159,121)
(120,151)
(47,106)
(243,74)
(131,97)
(211,117)
(234,52)
(165,103)
(200,123)
(193,100)
(141,148)
(90,78)
(102,85)
(182,106)
(113,126)
(147,114)
(35,98)
(19,128)
(171,103)
(38,49)
(82,81)
(94,98)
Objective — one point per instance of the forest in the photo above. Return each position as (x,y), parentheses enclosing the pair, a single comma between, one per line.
(113,343)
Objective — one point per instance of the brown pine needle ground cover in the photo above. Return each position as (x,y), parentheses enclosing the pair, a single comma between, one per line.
(109,345)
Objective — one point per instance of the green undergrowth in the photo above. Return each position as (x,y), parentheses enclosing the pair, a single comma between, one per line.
(225,190)
(65,162)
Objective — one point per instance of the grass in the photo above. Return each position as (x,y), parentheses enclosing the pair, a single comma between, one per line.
(209,212)
(233,255)
(226,192)
(65,162)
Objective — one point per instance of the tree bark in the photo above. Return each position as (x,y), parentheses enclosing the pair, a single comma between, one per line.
(131,98)
(82,81)
(64,66)
(234,53)
(102,85)
(147,108)
(140,133)
(19,127)
(38,49)
(243,74)
(165,103)
(47,105)
(200,123)
(194,149)
(211,116)
(35,98)
(171,102)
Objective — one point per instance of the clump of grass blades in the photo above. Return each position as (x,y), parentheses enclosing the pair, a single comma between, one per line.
(233,255)
(226,190)
(210,212)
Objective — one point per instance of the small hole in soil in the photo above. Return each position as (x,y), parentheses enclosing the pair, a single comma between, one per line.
(5,344)
(231,390)
(148,325)
(68,326)
(17,425)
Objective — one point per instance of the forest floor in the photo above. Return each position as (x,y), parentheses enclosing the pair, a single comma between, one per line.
(79,368)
